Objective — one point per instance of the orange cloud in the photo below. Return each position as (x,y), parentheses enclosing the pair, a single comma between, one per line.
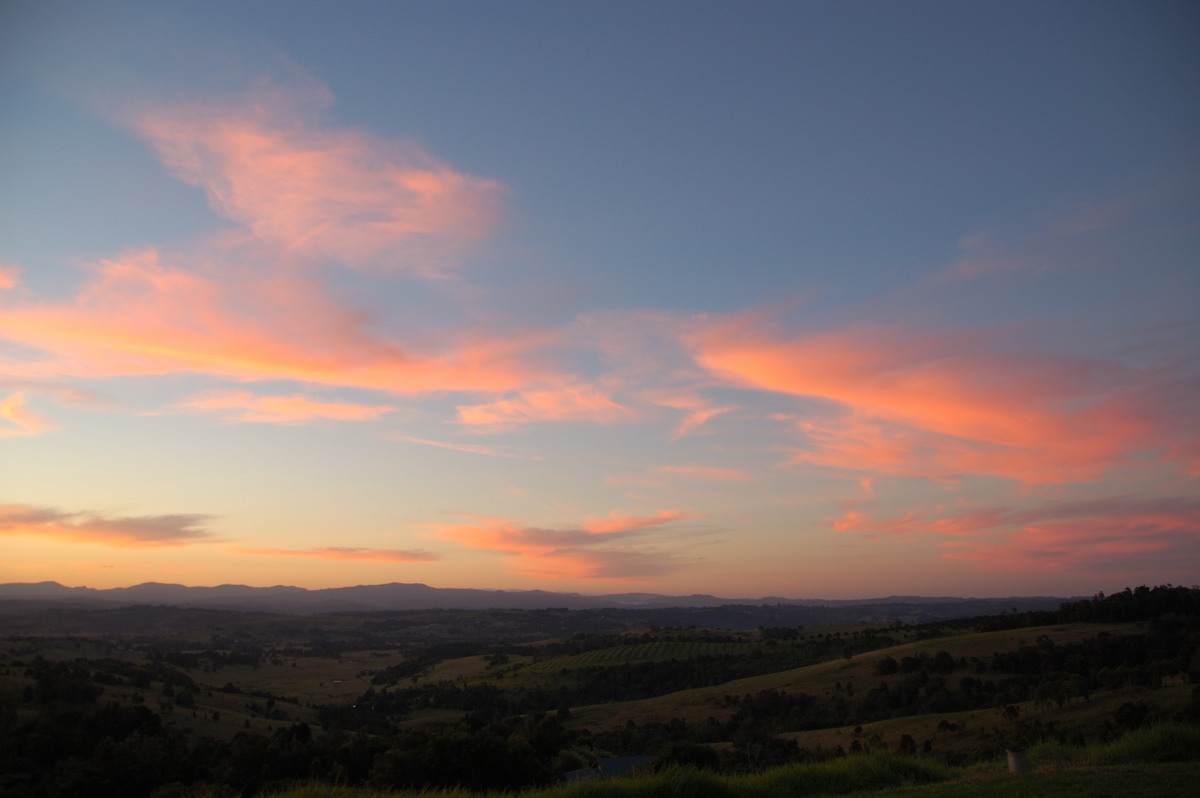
(1153,544)
(897,402)
(616,523)
(283,409)
(697,411)
(342,553)
(22,421)
(321,193)
(458,447)
(141,317)
(83,527)
(587,551)
(852,521)
(10,276)
(1057,536)
(704,473)
(568,402)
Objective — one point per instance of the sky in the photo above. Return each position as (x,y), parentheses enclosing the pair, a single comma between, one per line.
(797,299)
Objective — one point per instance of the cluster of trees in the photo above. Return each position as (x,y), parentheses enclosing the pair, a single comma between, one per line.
(60,737)
(79,745)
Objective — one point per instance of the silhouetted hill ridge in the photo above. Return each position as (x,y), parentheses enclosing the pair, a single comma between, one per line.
(396,596)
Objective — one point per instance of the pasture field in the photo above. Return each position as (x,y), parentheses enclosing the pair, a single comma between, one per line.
(656,651)
(698,704)
(261,704)
(973,734)
(1158,761)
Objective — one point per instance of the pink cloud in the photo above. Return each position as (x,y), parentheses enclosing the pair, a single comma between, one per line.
(703,473)
(696,409)
(342,553)
(1056,536)
(852,521)
(85,527)
(617,523)
(1079,235)
(293,409)
(20,420)
(10,276)
(562,402)
(469,448)
(606,547)
(1153,542)
(139,316)
(321,193)
(234,307)
(898,402)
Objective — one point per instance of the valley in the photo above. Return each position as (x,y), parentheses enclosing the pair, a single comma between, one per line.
(111,701)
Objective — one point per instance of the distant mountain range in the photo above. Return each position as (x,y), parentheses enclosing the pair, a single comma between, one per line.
(17,597)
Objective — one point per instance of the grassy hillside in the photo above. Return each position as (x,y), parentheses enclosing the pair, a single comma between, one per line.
(1157,761)
(822,679)
(236,709)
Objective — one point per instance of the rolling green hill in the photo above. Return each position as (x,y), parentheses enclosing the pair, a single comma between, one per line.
(254,704)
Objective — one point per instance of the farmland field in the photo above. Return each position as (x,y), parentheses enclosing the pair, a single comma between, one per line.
(656,651)
(390,701)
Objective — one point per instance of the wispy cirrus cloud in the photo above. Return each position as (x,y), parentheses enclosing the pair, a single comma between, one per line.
(10,276)
(469,448)
(87,527)
(1091,234)
(1126,535)
(697,410)
(244,406)
(898,402)
(16,419)
(1066,535)
(703,473)
(140,316)
(606,547)
(674,478)
(314,192)
(251,303)
(342,553)
(560,402)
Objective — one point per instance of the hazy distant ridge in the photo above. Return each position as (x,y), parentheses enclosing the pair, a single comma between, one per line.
(401,596)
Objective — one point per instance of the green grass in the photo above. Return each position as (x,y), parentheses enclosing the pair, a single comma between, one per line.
(1160,743)
(1123,781)
(973,736)
(697,704)
(837,777)
(654,651)
(1158,760)
(331,791)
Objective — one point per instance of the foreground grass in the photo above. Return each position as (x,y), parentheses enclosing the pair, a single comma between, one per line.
(1167,742)
(1159,760)
(1117,781)
(836,777)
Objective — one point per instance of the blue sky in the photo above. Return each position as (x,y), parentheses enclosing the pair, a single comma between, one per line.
(824,299)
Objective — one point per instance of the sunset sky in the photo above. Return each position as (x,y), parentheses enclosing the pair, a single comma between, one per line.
(800,299)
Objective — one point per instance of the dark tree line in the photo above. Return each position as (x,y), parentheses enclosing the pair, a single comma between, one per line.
(60,738)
